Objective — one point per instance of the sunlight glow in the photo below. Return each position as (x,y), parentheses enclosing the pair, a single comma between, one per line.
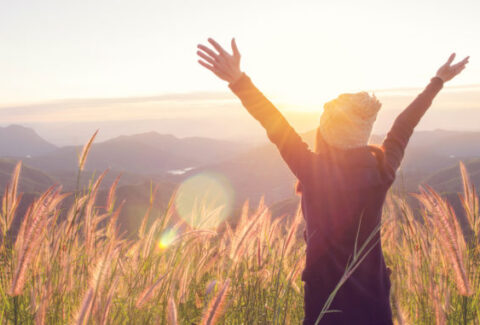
(205,200)
(168,236)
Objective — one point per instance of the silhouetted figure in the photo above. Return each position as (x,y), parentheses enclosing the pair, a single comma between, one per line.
(343,185)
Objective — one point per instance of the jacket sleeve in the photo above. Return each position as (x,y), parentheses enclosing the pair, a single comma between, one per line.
(397,138)
(293,150)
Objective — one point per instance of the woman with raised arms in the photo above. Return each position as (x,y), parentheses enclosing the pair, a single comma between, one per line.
(343,183)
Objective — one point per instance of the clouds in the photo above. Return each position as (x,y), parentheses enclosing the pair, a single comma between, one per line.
(218,114)
(172,105)
(202,105)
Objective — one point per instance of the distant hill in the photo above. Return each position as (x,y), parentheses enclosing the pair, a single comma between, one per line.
(432,151)
(31,180)
(255,173)
(449,179)
(441,143)
(203,150)
(261,171)
(127,155)
(258,172)
(148,153)
(19,141)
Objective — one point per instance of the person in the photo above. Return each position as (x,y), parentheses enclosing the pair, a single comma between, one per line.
(343,185)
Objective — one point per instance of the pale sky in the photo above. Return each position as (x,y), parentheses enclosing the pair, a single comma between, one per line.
(300,53)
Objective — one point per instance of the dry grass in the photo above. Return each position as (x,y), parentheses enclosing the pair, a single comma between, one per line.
(77,269)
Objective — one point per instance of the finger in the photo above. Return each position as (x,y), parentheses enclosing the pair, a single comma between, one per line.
(206,65)
(459,69)
(208,51)
(462,63)
(450,59)
(206,57)
(235,50)
(217,46)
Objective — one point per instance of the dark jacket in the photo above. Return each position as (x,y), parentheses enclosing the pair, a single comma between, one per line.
(343,192)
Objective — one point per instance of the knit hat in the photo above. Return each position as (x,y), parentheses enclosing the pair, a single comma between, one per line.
(347,121)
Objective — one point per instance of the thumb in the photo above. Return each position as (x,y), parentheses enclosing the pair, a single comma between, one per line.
(235,48)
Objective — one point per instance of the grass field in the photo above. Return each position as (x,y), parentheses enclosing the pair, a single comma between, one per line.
(78,269)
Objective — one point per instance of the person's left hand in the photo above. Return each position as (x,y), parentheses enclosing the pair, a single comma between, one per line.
(223,64)
(448,71)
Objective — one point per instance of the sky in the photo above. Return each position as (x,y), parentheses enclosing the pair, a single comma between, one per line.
(299,53)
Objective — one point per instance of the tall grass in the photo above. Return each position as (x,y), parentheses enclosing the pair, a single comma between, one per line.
(436,264)
(78,269)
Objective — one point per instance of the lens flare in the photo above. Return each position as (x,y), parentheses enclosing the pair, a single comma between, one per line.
(204,200)
(167,238)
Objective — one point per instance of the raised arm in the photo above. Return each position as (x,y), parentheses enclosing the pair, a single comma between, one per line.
(402,129)
(293,150)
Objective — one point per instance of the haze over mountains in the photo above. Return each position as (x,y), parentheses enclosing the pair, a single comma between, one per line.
(219,115)
(148,153)
(149,160)
(16,140)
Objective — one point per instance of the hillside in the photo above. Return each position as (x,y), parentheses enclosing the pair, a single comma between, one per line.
(203,150)
(432,157)
(147,153)
(449,180)
(32,180)
(19,141)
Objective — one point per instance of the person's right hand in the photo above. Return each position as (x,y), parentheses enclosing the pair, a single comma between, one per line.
(224,65)
(448,71)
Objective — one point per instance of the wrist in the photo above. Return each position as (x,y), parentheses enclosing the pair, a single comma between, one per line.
(235,77)
(443,79)
(240,83)
(437,82)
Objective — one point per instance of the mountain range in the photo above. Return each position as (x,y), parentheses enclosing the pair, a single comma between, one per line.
(254,171)
(146,153)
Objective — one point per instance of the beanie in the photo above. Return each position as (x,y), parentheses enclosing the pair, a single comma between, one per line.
(347,121)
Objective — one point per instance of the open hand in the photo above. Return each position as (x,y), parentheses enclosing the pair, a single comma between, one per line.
(448,71)
(225,65)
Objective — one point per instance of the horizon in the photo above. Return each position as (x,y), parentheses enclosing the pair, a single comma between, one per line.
(72,121)
(255,139)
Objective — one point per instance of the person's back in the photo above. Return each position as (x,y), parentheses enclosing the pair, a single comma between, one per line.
(343,185)
(342,205)
(342,211)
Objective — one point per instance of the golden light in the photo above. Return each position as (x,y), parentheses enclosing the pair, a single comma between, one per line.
(167,238)
(205,200)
